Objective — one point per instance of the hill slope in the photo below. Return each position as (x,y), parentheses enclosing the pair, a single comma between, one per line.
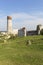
(16,52)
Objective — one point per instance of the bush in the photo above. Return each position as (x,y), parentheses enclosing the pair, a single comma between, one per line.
(12,36)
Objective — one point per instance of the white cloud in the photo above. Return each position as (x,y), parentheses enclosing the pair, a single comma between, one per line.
(29,21)
(21,16)
(21,20)
(3,23)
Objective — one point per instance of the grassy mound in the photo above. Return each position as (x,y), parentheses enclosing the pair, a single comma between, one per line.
(16,52)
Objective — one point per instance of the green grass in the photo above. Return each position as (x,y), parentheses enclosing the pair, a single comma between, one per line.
(16,52)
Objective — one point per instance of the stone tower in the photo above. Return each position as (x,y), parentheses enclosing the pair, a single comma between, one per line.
(9,24)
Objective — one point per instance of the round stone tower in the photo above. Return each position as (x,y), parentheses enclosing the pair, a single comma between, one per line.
(9,24)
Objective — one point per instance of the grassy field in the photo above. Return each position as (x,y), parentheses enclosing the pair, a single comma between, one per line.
(16,52)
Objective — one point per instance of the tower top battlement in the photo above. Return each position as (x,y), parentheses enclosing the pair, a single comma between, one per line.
(9,17)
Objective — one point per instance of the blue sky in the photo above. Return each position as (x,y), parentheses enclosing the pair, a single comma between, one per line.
(25,13)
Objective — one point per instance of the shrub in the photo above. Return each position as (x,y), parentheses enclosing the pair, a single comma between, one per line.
(11,36)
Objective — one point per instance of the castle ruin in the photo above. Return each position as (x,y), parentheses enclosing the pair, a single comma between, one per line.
(22,31)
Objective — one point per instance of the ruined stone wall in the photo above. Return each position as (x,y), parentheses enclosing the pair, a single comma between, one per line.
(39,28)
(22,32)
